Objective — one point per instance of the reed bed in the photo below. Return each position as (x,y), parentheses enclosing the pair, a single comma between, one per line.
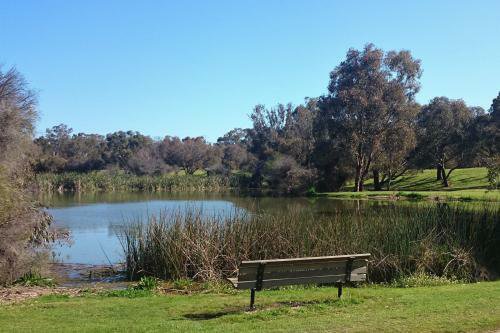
(443,240)
(103,181)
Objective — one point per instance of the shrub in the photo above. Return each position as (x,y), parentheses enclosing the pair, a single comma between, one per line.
(23,226)
(146,283)
(421,279)
(31,279)
(285,175)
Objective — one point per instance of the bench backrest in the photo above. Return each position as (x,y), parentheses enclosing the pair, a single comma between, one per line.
(260,274)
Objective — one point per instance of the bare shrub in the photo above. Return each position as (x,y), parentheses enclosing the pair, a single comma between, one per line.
(22,225)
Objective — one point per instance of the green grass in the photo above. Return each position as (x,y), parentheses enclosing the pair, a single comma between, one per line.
(449,308)
(470,184)
(425,180)
(460,195)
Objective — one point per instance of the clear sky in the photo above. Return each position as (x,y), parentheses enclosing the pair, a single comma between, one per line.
(198,67)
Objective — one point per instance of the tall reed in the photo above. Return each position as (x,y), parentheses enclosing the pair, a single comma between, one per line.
(438,239)
(104,181)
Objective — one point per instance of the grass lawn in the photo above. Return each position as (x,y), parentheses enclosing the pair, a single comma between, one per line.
(469,184)
(450,308)
(425,180)
(461,195)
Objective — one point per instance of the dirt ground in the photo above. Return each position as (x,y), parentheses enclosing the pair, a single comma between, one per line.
(21,293)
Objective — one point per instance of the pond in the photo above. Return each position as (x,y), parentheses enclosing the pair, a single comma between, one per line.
(95,220)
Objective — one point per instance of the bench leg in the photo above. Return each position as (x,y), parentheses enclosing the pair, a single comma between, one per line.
(339,292)
(252,299)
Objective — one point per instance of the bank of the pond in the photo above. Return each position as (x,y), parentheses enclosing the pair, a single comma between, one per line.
(450,195)
(449,308)
(425,180)
(468,184)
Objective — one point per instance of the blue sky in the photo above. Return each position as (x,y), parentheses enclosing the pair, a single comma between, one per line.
(198,67)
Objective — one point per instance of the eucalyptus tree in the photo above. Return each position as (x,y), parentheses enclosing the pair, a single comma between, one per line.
(393,161)
(370,93)
(486,138)
(494,126)
(266,136)
(55,148)
(495,109)
(234,150)
(444,128)
(282,141)
(86,152)
(299,140)
(190,154)
(120,146)
(147,160)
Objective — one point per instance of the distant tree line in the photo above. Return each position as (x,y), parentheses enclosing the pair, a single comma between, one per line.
(368,124)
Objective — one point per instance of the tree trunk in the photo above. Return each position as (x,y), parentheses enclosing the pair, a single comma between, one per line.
(445,180)
(357,179)
(446,177)
(376,180)
(362,167)
(439,171)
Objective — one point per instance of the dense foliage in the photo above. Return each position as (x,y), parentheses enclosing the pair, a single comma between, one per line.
(367,125)
(22,224)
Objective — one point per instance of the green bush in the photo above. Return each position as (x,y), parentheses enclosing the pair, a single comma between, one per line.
(146,283)
(35,279)
(422,279)
(183,284)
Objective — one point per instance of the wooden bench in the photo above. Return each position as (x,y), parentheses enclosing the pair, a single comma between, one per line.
(259,274)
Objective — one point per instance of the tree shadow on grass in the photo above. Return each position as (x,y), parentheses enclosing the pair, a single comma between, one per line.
(282,304)
(214,315)
(338,302)
(427,184)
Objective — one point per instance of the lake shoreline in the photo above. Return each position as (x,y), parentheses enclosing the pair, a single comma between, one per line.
(79,275)
(476,195)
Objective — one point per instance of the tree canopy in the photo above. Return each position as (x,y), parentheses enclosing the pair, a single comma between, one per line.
(368,124)
(370,98)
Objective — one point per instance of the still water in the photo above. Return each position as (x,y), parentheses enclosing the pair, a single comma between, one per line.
(94,220)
